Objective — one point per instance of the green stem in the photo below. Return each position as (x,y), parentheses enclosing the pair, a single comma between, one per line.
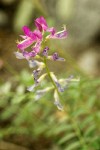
(48,72)
(76,128)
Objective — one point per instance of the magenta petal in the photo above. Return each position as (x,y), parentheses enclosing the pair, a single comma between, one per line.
(25,43)
(36,48)
(52,30)
(26,30)
(38,25)
(38,34)
(43,21)
(41,24)
(29,33)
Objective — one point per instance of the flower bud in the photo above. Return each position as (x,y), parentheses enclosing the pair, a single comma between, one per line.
(57,102)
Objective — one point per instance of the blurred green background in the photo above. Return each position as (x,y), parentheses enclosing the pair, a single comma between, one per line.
(29,125)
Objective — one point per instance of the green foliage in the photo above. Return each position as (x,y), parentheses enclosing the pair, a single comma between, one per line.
(76,128)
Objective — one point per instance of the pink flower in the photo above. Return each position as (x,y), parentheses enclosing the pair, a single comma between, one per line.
(41,24)
(29,38)
(35,39)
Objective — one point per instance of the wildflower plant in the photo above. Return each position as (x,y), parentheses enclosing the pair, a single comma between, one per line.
(38,55)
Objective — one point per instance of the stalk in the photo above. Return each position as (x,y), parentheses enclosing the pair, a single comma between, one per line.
(76,127)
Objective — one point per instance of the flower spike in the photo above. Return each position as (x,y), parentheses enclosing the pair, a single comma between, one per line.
(33,47)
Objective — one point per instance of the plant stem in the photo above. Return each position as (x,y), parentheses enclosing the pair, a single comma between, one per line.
(76,128)
(48,72)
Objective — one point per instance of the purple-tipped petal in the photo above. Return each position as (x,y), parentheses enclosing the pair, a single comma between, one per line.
(40,93)
(19,55)
(28,55)
(60,59)
(55,57)
(32,63)
(58,104)
(58,35)
(36,74)
(57,101)
(32,87)
(47,48)
(60,88)
(38,96)
(68,80)
(45,51)
(41,24)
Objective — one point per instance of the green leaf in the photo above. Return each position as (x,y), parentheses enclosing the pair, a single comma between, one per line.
(73,146)
(90,130)
(79,112)
(40,129)
(66,137)
(18,98)
(10,111)
(91,101)
(86,121)
(26,78)
(5,88)
(63,128)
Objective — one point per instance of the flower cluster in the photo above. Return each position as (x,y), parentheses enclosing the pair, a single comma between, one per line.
(33,46)
(36,38)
